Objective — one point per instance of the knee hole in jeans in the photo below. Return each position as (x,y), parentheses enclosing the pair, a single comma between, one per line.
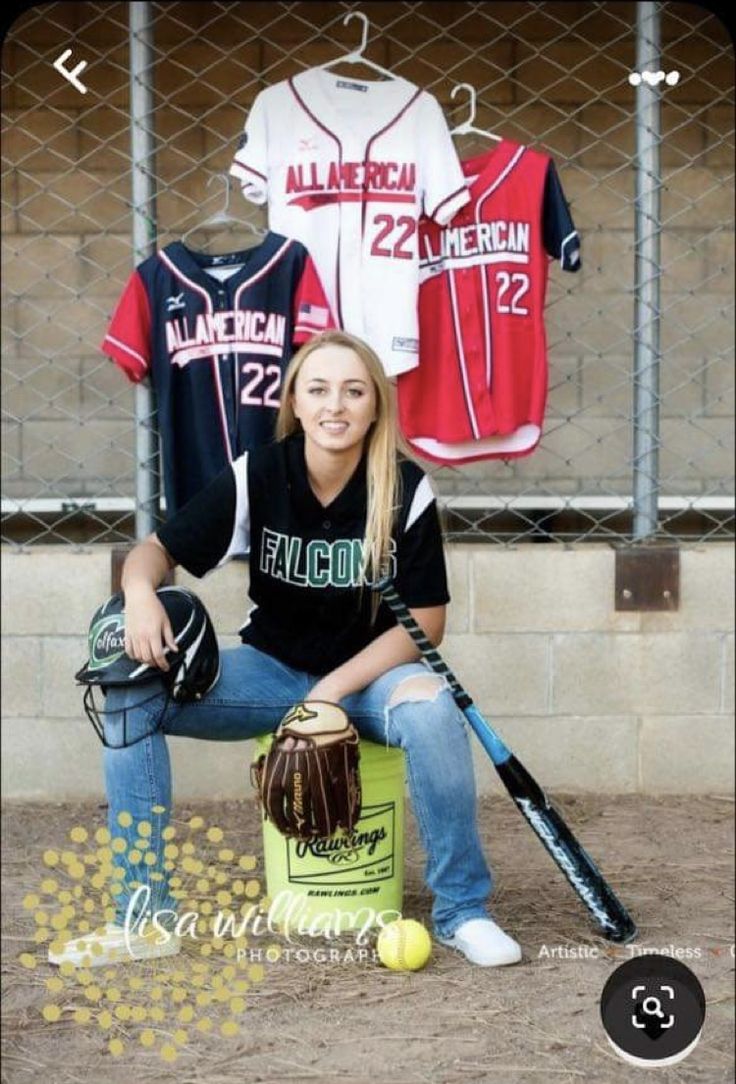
(416,688)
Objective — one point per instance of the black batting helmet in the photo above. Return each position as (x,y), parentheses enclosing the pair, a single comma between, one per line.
(193,668)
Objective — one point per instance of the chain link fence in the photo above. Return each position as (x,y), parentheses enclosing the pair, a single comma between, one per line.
(553,75)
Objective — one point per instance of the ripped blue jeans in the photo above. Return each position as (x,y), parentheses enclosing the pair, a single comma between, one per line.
(407,706)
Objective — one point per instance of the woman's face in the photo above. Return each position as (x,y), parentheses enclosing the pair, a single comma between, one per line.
(334,398)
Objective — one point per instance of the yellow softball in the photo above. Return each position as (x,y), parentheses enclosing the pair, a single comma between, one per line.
(404,945)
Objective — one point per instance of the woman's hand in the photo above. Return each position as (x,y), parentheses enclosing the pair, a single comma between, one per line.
(148,630)
(327,688)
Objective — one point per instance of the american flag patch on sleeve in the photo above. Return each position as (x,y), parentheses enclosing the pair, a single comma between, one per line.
(315,315)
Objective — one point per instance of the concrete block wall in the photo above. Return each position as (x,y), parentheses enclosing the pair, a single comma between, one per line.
(67,216)
(590,700)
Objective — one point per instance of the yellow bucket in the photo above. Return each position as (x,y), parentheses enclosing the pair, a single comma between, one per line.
(349,880)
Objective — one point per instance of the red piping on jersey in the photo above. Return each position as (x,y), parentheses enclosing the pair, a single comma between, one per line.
(486,324)
(279,254)
(133,353)
(249,169)
(214,364)
(460,351)
(499,180)
(483,271)
(367,151)
(326,130)
(249,282)
(447,199)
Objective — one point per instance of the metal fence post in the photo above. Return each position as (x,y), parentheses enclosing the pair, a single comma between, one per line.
(144,240)
(647,229)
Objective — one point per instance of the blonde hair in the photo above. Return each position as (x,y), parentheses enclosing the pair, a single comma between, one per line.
(382,443)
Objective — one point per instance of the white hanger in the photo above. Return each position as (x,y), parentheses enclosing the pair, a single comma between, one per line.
(356,57)
(223,217)
(467,126)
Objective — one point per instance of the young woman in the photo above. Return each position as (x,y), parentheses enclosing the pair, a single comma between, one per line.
(324,511)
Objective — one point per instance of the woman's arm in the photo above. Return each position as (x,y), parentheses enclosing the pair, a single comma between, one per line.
(147,627)
(391,648)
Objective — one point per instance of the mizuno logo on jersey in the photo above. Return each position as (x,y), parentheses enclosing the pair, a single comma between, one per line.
(248,332)
(312,184)
(175,302)
(318,563)
(480,239)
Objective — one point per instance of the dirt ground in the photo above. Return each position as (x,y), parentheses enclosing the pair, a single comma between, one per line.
(670,859)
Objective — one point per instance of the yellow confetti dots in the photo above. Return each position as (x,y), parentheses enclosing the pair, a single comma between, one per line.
(138,1014)
(118,845)
(215,835)
(229,1028)
(104,1020)
(52,1013)
(135,856)
(237,1004)
(147,1037)
(196,823)
(144,828)
(50,858)
(226,855)
(55,985)
(123,1012)
(255,972)
(27,959)
(93,993)
(31,900)
(169,832)
(82,1015)
(116,1047)
(204,1024)
(252,889)
(78,834)
(124,819)
(247,862)
(102,836)
(49,885)
(180,1036)
(157,1014)
(158,809)
(168,1052)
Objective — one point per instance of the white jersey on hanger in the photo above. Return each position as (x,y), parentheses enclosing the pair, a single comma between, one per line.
(347,167)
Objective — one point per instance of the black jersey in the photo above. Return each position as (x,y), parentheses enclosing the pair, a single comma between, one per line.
(312,609)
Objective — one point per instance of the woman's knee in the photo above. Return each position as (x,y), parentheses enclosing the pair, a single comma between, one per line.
(418,687)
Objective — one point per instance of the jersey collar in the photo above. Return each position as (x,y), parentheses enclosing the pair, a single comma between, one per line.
(193,263)
(349,502)
(488,168)
(318,91)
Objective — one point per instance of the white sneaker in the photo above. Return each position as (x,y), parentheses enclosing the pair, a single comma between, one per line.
(483,942)
(110,947)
